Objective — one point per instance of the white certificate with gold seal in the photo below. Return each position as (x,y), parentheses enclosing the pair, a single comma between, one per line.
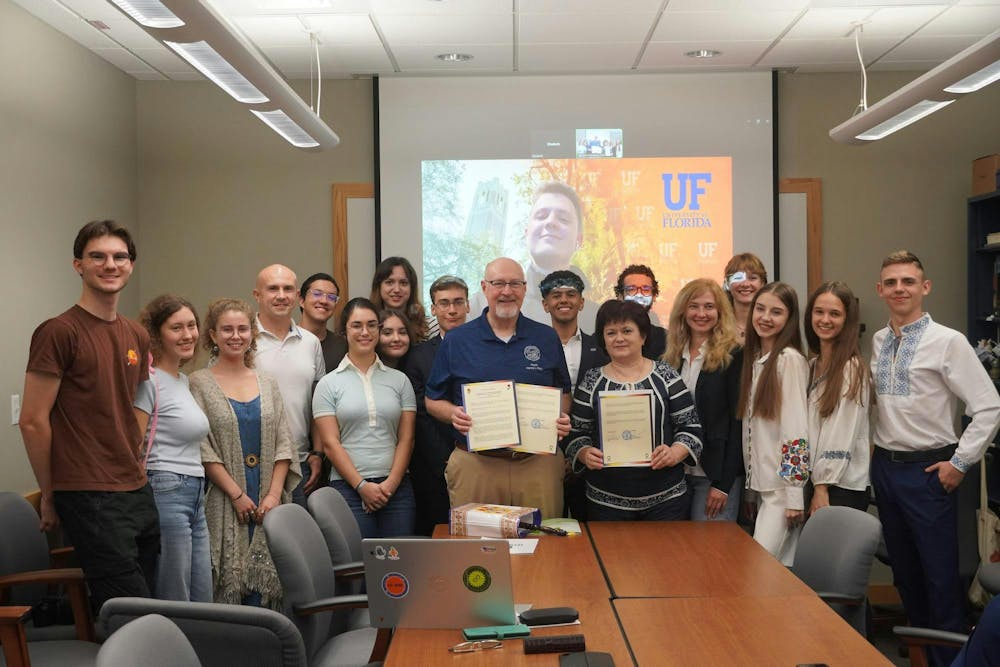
(538,408)
(625,419)
(493,408)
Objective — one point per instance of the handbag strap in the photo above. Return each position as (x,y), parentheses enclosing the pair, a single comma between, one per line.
(154,418)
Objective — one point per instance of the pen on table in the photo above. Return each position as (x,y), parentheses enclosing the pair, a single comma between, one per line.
(524,525)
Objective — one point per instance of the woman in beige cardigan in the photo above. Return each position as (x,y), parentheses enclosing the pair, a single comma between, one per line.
(246,455)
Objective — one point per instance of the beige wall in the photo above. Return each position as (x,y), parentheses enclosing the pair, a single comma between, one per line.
(67,155)
(907,190)
(217,195)
(221,195)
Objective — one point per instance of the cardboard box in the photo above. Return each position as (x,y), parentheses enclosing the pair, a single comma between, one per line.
(984,174)
(481,520)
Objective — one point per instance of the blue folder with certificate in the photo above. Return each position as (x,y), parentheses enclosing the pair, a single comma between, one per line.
(518,416)
(626,427)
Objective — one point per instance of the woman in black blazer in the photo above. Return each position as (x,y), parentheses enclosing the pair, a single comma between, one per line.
(703,347)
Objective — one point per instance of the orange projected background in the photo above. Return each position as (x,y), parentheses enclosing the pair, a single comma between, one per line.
(673,214)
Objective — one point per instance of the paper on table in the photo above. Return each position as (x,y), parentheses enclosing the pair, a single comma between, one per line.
(493,408)
(521,546)
(538,409)
(626,419)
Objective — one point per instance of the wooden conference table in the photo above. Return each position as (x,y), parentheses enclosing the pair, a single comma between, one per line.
(674,593)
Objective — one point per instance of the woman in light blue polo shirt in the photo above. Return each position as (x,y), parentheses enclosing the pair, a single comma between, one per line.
(364,414)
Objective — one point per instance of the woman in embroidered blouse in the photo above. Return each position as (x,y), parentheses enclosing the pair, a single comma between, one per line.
(703,347)
(840,399)
(773,405)
(247,453)
(394,285)
(744,276)
(364,415)
(173,458)
(395,337)
(655,492)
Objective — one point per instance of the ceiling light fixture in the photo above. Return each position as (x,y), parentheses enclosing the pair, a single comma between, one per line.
(703,53)
(213,46)
(455,57)
(972,69)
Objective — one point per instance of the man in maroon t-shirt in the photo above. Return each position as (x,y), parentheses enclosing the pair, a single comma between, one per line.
(79,428)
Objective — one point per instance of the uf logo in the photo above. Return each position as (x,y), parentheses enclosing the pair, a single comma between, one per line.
(688,187)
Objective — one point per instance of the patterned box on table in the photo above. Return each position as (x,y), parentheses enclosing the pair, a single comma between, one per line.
(480,520)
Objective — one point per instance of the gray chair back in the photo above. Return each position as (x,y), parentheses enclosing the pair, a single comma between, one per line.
(22,547)
(150,641)
(834,555)
(340,530)
(220,634)
(302,560)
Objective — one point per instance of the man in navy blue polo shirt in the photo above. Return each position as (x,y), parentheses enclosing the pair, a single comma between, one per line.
(503,344)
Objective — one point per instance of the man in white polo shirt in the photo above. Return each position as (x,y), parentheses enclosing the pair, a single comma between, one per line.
(922,371)
(294,357)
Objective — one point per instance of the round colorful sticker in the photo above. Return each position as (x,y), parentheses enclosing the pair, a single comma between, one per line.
(395,585)
(477,579)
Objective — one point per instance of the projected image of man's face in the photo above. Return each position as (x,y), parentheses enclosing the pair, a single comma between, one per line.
(553,231)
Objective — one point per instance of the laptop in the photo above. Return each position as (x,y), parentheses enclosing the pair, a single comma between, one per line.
(452,584)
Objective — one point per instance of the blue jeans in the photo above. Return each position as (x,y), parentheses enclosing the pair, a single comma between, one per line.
(397,518)
(698,488)
(184,571)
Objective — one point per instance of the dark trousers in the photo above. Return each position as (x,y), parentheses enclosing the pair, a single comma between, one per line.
(920,525)
(430,492)
(116,537)
(675,509)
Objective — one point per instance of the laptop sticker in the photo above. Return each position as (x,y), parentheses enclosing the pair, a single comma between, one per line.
(395,585)
(393,553)
(477,579)
(380,552)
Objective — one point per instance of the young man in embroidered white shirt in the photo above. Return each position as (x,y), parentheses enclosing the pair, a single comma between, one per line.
(922,371)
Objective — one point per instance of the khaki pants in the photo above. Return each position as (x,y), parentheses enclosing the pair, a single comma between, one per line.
(534,481)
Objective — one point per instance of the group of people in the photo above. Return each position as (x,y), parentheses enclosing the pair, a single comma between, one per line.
(741,418)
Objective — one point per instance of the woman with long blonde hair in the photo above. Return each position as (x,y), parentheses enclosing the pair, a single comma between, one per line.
(703,347)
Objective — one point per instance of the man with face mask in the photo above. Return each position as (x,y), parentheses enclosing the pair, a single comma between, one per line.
(637,283)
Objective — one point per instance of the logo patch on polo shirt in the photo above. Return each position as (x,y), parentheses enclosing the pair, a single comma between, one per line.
(532,353)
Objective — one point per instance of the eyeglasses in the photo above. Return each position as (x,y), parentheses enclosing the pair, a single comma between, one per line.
(448,303)
(513,284)
(632,290)
(319,294)
(469,647)
(363,326)
(101,258)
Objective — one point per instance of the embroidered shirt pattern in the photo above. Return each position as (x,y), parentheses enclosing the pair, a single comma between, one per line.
(794,460)
(892,377)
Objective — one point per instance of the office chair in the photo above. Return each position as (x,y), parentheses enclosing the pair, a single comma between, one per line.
(302,559)
(219,634)
(834,558)
(150,641)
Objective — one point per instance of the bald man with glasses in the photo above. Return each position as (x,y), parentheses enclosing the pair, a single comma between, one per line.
(501,344)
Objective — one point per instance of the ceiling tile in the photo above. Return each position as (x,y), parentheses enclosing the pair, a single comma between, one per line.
(965,20)
(129,35)
(671,54)
(900,21)
(124,60)
(273,30)
(588,6)
(186,76)
(484,29)
(164,60)
(793,52)
(922,48)
(494,57)
(727,5)
(576,57)
(425,7)
(904,66)
(738,25)
(337,29)
(293,62)
(583,28)
(95,9)
(148,76)
(67,22)
(827,23)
